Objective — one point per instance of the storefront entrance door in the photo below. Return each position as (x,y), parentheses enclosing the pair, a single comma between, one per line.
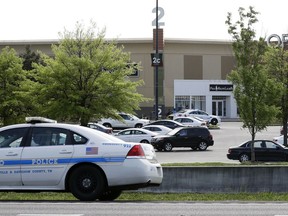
(218,108)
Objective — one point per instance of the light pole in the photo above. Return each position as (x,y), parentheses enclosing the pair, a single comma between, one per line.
(156,67)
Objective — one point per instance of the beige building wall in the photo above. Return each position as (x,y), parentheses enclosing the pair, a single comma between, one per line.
(173,69)
(211,67)
(183,59)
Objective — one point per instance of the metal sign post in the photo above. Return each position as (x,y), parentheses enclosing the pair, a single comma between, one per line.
(156,58)
(156,66)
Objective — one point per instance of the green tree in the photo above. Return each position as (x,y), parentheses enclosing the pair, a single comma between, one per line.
(12,77)
(254,90)
(277,65)
(30,57)
(87,78)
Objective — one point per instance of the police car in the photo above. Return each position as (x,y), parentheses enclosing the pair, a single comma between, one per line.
(90,164)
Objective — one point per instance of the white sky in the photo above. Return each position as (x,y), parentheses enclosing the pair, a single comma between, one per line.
(188,19)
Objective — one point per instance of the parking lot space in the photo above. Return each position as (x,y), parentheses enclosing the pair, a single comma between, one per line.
(229,134)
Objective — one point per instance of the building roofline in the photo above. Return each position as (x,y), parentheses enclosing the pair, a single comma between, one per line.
(121,40)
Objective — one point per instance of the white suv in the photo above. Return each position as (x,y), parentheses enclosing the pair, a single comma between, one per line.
(129,121)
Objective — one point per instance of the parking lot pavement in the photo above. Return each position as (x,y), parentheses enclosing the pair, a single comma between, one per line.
(229,134)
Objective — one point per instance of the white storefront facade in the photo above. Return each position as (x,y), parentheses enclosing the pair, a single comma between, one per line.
(213,96)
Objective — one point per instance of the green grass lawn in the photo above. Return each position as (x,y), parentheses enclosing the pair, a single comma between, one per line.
(141,196)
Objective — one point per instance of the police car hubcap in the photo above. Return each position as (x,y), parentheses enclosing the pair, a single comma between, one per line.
(86,183)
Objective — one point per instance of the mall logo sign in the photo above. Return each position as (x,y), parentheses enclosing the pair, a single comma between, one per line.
(219,87)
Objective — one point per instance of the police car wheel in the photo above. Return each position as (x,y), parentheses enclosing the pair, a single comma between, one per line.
(87,183)
(110,195)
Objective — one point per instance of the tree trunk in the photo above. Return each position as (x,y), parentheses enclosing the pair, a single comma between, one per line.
(252,146)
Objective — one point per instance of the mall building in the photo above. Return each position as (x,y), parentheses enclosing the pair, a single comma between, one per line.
(193,74)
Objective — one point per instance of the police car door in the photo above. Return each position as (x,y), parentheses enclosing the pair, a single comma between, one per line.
(11,141)
(45,160)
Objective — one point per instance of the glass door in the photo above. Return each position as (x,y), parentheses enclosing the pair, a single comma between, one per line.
(218,108)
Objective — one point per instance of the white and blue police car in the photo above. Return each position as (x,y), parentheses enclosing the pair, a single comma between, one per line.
(90,164)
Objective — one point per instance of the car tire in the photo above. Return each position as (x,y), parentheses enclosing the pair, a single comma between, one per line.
(107,125)
(168,147)
(214,121)
(87,183)
(244,158)
(110,195)
(202,146)
(138,126)
(144,141)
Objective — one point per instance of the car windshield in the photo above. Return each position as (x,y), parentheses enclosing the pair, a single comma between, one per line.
(133,117)
(200,119)
(182,111)
(281,145)
(174,131)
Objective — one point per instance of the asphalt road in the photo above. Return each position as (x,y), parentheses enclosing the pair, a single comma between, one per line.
(143,208)
(229,134)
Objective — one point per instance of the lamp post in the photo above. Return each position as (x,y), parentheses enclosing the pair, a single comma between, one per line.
(156,56)
(156,67)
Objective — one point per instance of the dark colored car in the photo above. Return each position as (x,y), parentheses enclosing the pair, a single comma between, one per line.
(168,123)
(100,127)
(192,137)
(265,150)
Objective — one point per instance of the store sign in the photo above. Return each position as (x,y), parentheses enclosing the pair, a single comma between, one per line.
(274,40)
(156,59)
(220,87)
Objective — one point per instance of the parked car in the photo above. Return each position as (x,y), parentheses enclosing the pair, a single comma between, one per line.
(192,137)
(160,129)
(168,123)
(279,139)
(190,121)
(64,157)
(138,135)
(265,150)
(128,121)
(214,120)
(281,130)
(100,127)
(176,114)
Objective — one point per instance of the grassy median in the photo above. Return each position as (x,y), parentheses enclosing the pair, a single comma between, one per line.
(141,196)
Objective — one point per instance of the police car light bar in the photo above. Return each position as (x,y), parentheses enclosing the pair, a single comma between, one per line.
(37,119)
